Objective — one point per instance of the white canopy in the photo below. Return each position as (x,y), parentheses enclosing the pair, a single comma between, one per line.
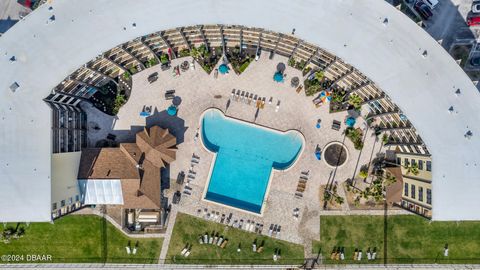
(101,191)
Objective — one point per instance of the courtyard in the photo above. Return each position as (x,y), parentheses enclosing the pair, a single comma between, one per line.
(198,91)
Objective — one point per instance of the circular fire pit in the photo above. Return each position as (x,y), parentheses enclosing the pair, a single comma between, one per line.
(335,154)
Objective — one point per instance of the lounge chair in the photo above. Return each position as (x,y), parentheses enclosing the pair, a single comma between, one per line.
(242,96)
(187,192)
(304,178)
(184,250)
(128,249)
(270,230)
(237,96)
(298,195)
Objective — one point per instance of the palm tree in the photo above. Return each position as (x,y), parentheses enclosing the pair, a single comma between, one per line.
(319,75)
(412,169)
(355,100)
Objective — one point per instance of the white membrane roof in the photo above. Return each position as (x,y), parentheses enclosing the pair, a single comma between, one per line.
(101,191)
(354,30)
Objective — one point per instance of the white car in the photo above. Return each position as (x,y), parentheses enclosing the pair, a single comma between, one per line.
(431,3)
(476,7)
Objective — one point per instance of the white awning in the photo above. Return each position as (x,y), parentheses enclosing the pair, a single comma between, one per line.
(101,191)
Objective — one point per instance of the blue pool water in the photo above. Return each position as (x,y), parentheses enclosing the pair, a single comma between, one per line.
(245,157)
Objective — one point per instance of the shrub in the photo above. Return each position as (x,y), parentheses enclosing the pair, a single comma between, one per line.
(363,173)
(120,100)
(291,62)
(184,53)
(355,100)
(133,70)
(244,65)
(355,135)
(126,75)
(164,58)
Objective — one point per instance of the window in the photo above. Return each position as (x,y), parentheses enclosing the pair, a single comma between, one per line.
(70,200)
(413,192)
(399,161)
(420,164)
(420,194)
(54,206)
(77,198)
(413,162)
(405,190)
(429,196)
(429,166)
(62,203)
(405,163)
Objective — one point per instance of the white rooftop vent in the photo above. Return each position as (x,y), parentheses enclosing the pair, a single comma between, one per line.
(469,134)
(134,25)
(385,22)
(13,59)
(458,92)
(14,86)
(450,110)
(424,54)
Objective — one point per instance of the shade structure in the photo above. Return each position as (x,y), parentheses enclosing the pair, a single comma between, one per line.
(278,77)
(350,122)
(223,68)
(172,110)
(101,191)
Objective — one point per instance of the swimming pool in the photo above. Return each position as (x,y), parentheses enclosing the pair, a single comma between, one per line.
(245,156)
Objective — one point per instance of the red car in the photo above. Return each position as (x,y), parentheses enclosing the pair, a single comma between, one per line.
(471,21)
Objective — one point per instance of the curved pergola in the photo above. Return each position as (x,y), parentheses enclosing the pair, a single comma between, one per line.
(373,37)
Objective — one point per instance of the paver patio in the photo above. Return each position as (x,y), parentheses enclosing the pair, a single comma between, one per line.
(199,91)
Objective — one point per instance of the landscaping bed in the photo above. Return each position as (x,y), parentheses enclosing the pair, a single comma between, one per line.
(188,229)
(239,61)
(410,239)
(80,239)
(207,59)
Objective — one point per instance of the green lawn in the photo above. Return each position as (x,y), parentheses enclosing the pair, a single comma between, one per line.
(78,239)
(410,239)
(188,228)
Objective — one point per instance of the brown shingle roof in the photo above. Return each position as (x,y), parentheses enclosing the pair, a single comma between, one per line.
(137,164)
(134,199)
(106,163)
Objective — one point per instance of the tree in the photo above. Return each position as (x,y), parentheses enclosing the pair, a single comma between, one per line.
(339,200)
(385,138)
(412,169)
(319,75)
(355,100)
(118,103)
(363,173)
(389,179)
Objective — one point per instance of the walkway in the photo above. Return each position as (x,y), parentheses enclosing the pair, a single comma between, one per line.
(168,235)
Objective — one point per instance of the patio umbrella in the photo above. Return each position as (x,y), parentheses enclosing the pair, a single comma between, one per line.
(172,110)
(278,77)
(281,67)
(176,100)
(223,68)
(350,122)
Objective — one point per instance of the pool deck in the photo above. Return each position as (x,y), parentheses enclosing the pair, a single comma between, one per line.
(200,91)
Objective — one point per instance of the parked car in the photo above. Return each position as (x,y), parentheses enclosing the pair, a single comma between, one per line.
(474,20)
(431,3)
(423,9)
(475,61)
(476,7)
